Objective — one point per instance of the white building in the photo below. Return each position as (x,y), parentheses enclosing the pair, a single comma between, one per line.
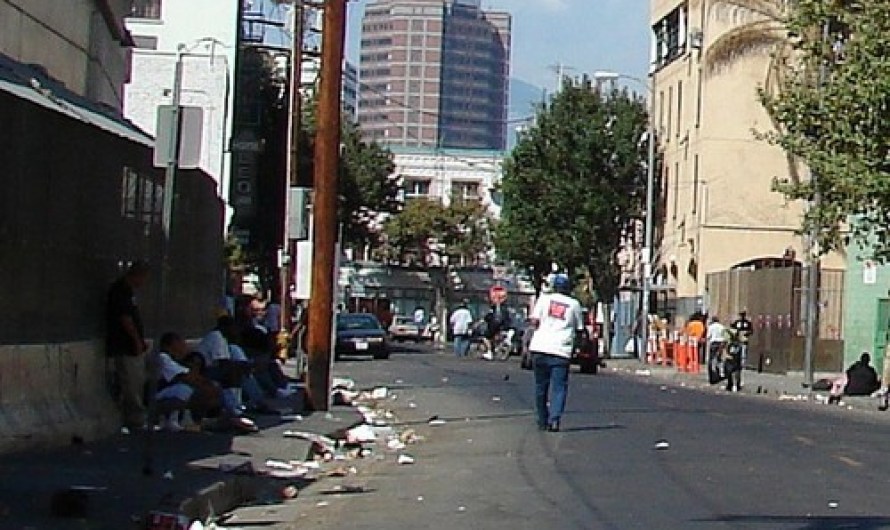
(444,174)
(207,31)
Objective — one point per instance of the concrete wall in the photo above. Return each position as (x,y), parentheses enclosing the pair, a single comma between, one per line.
(72,40)
(50,393)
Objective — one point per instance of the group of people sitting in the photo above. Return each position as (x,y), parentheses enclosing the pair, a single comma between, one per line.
(232,371)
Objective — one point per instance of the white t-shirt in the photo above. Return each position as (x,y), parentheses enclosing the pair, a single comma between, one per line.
(214,347)
(169,368)
(461,320)
(559,317)
(716,332)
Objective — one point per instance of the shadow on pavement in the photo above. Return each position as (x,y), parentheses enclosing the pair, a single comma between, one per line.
(806,523)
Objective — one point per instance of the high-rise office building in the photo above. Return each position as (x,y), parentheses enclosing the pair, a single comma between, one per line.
(434,73)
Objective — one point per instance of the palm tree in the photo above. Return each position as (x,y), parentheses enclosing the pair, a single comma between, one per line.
(760,27)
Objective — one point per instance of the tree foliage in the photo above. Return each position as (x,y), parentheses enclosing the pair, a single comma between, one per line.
(368,187)
(573,184)
(427,231)
(833,110)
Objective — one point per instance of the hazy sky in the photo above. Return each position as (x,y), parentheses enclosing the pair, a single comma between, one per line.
(586,35)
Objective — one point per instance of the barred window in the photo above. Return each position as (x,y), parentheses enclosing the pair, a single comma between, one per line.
(146,9)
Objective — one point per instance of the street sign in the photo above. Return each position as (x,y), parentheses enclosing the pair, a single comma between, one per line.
(191,130)
(497,295)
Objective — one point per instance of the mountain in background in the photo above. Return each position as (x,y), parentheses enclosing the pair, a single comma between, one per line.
(524,98)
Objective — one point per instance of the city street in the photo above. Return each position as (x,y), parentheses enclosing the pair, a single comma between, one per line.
(733,461)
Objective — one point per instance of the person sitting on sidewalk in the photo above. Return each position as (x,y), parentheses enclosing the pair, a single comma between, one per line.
(181,388)
(862,379)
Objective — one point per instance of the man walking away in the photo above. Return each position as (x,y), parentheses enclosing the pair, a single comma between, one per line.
(743,329)
(460,321)
(556,319)
(125,342)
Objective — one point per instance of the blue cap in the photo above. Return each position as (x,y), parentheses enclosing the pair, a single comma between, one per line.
(561,282)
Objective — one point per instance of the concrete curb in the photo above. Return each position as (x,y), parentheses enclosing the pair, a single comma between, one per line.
(219,498)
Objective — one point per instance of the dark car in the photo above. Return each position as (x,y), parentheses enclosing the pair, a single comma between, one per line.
(360,334)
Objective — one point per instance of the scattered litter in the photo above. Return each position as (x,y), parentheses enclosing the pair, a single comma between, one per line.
(849,407)
(420,498)
(361,434)
(461,508)
(288,474)
(664,388)
(833,505)
(399,381)
(412,405)
(379,393)
(789,397)
(405,460)
(395,445)
(279,465)
(291,417)
(168,475)
(444,379)
(322,504)
(644,373)
(409,437)
(125,430)
(436,423)
(662,445)
(342,382)
(344,489)
(495,398)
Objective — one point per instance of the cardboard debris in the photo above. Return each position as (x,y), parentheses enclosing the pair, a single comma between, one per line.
(379,393)
(395,445)
(436,423)
(361,434)
(405,460)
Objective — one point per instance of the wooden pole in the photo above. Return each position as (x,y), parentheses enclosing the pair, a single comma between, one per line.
(327,162)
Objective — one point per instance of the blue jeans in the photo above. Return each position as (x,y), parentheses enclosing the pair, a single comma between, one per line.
(461,345)
(551,387)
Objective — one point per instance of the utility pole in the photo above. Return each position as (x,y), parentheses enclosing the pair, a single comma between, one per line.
(327,161)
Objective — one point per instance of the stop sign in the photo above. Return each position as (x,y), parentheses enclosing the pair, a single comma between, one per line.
(497,294)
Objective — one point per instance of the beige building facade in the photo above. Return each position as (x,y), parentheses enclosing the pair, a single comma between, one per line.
(82,43)
(716,204)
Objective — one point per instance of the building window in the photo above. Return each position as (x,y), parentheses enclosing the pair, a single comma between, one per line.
(141,199)
(145,42)
(146,9)
(695,185)
(417,188)
(679,107)
(676,189)
(670,36)
(465,191)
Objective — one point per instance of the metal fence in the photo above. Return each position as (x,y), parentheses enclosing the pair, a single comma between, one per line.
(77,203)
(775,301)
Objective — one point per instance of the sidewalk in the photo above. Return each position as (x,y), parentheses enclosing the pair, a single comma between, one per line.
(248,480)
(788,387)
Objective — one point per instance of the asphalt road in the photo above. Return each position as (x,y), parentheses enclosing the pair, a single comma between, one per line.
(733,462)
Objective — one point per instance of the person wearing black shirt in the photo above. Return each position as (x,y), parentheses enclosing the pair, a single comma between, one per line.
(862,379)
(743,330)
(125,342)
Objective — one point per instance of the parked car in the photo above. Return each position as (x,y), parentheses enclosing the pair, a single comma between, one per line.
(585,354)
(404,328)
(360,334)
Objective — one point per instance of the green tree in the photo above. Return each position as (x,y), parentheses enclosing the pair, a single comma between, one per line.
(368,186)
(833,108)
(574,183)
(426,231)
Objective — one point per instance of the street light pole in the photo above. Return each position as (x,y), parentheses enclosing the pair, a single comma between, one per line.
(647,234)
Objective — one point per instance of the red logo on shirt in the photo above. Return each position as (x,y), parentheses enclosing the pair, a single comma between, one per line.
(558,310)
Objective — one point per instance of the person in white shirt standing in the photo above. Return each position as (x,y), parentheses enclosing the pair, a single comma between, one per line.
(556,318)
(716,336)
(460,321)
